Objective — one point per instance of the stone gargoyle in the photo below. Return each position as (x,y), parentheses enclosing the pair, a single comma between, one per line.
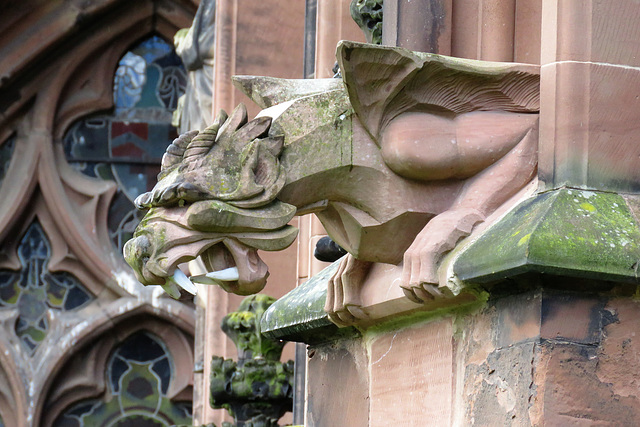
(400,159)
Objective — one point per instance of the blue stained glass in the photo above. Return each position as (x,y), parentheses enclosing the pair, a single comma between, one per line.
(33,290)
(149,96)
(130,80)
(127,146)
(151,75)
(172,87)
(153,48)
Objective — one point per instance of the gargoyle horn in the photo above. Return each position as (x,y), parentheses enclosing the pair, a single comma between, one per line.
(269,91)
(201,144)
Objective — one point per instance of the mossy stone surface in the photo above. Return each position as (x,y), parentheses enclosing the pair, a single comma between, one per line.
(300,316)
(566,231)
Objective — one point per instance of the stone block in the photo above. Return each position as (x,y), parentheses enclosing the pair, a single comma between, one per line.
(591,30)
(517,319)
(498,390)
(411,376)
(571,317)
(574,392)
(589,120)
(338,390)
(619,364)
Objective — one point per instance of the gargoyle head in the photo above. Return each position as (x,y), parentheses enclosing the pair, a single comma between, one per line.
(215,198)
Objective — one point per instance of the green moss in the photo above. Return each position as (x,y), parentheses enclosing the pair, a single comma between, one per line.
(524,240)
(299,315)
(566,231)
(422,317)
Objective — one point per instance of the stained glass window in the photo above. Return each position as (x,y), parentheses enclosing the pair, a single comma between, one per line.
(127,146)
(138,376)
(33,290)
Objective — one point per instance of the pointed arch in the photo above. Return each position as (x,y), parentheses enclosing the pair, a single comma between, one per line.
(58,64)
(84,375)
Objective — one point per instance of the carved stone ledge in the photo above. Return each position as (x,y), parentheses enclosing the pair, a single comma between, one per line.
(567,232)
(300,316)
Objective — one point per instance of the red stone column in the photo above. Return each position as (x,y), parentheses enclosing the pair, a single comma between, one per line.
(252,38)
(590,94)
(419,25)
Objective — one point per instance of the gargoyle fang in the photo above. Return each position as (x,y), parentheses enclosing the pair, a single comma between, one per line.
(214,277)
(183,281)
(227,275)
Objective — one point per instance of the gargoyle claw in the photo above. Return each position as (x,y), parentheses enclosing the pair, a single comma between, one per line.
(343,294)
(422,259)
(423,293)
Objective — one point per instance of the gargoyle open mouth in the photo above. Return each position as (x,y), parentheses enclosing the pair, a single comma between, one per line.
(235,267)
(215,198)
(165,240)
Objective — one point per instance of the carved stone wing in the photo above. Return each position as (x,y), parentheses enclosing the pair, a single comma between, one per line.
(384,82)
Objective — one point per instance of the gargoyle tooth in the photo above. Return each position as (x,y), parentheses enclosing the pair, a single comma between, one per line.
(183,281)
(171,288)
(217,277)
(226,275)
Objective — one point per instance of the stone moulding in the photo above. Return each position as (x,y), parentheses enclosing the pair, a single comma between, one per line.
(299,315)
(568,232)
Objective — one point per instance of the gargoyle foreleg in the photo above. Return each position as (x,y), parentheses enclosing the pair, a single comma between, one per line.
(343,302)
(480,196)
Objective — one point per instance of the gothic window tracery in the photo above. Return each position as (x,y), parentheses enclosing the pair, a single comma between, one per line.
(127,146)
(34,291)
(139,373)
(94,98)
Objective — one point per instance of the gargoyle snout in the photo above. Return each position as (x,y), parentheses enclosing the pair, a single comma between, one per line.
(137,252)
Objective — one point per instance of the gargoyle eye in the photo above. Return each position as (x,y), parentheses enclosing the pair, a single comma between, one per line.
(188,192)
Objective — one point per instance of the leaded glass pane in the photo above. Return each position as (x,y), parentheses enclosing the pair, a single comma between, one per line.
(34,290)
(127,146)
(139,374)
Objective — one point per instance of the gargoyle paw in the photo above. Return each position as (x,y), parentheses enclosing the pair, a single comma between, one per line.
(422,259)
(423,292)
(343,304)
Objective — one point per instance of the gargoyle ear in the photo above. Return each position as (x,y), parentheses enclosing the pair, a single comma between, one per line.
(273,144)
(254,129)
(175,151)
(202,143)
(237,119)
